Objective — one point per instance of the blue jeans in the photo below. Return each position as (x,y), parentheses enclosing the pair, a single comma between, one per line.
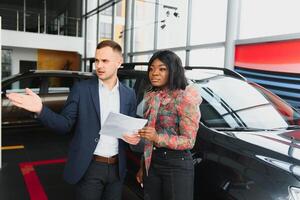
(100,182)
(171,176)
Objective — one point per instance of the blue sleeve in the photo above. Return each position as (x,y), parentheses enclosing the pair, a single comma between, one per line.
(64,121)
(132,111)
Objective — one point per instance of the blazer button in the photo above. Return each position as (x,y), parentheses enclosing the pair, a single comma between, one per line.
(96,139)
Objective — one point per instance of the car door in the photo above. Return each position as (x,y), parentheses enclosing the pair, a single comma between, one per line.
(57,89)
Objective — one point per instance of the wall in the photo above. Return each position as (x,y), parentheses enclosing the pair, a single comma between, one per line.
(42,41)
(46,59)
(49,59)
(21,54)
(274,65)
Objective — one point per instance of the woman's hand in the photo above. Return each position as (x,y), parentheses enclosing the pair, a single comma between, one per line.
(149,133)
(139,176)
(131,138)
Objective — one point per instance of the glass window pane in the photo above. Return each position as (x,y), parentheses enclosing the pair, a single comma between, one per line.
(172,19)
(104,31)
(6,58)
(248,107)
(19,86)
(265,18)
(142,58)
(208,21)
(91,4)
(120,9)
(60,84)
(119,23)
(105,23)
(91,36)
(207,57)
(181,55)
(144,25)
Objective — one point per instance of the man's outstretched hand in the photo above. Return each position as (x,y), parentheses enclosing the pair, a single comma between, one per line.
(29,101)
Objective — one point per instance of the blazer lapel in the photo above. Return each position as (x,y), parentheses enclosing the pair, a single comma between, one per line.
(94,90)
(122,98)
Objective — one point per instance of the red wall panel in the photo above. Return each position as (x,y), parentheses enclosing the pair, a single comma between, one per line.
(281,56)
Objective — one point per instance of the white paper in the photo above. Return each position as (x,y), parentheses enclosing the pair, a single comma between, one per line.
(116,124)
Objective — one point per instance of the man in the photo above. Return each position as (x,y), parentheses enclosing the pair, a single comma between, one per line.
(96,164)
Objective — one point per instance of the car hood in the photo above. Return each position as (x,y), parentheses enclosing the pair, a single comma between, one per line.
(285,142)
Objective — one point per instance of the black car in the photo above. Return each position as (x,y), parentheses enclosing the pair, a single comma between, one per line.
(248,143)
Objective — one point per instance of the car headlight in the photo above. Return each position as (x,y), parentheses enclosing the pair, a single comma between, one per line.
(294,193)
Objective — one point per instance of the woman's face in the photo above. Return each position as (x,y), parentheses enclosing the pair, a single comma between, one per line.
(158,74)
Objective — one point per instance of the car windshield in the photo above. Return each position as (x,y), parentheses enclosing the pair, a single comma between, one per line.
(233,103)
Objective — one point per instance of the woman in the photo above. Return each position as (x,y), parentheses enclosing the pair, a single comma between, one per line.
(172,110)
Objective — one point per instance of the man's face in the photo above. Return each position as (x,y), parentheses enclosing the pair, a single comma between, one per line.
(107,62)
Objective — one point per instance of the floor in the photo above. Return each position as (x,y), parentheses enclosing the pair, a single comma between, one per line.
(32,166)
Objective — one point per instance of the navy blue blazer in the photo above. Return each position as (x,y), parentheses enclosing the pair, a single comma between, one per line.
(81,113)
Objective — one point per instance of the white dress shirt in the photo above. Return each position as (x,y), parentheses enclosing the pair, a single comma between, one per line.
(109,102)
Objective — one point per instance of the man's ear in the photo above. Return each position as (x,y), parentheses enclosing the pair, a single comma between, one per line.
(120,62)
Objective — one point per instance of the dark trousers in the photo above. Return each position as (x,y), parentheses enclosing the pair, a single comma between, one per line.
(100,182)
(171,176)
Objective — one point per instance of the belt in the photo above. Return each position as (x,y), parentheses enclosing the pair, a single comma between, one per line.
(108,160)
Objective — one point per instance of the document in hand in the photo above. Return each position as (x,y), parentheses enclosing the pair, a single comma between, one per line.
(116,124)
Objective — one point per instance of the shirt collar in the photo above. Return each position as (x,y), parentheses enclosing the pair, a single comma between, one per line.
(114,89)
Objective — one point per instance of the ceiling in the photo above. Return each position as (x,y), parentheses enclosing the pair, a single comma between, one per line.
(37,4)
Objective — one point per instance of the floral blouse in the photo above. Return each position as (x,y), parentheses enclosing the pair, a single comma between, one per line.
(175,116)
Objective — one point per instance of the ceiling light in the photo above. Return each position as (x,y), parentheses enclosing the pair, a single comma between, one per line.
(176,14)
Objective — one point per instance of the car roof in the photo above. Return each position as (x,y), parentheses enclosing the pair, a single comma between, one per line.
(205,72)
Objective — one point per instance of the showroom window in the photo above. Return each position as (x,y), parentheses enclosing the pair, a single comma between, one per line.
(91,36)
(181,55)
(266,18)
(119,23)
(105,30)
(144,21)
(91,4)
(213,57)
(208,21)
(6,62)
(172,23)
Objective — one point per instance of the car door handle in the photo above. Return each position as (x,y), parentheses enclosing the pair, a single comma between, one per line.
(237,185)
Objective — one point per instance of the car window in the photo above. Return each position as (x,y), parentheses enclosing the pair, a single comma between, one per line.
(19,86)
(211,117)
(231,102)
(289,113)
(59,84)
(129,82)
(138,84)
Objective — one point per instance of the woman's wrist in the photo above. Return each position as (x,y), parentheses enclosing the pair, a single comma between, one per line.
(156,139)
